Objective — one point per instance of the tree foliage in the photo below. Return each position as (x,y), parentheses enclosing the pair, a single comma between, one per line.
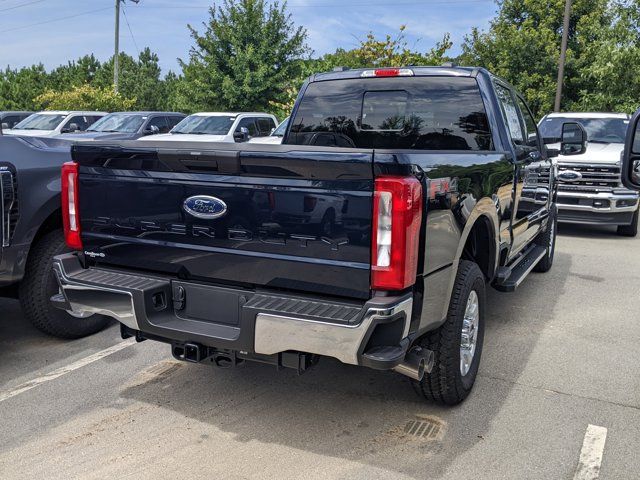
(140,79)
(249,55)
(245,59)
(522,45)
(84,97)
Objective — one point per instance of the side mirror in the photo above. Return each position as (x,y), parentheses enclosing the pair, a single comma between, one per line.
(271,131)
(72,127)
(631,154)
(152,130)
(574,139)
(242,135)
(5,126)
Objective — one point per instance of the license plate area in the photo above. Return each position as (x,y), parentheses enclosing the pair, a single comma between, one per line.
(210,304)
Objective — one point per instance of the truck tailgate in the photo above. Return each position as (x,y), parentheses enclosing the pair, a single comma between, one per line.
(296,218)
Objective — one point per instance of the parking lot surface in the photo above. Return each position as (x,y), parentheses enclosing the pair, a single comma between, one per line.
(560,355)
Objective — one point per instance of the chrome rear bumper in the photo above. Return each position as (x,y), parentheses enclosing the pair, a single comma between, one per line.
(266,323)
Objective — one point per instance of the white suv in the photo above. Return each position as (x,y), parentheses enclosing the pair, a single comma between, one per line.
(50,124)
(219,127)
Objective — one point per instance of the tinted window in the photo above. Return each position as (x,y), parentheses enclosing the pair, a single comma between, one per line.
(11,120)
(160,122)
(604,130)
(250,124)
(265,125)
(173,121)
(423,113)
(511,113)
(531,132)
(80,120)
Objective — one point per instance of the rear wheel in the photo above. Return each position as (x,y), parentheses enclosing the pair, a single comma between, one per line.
(39,285)
(457,344)
(629,230)
(547,239)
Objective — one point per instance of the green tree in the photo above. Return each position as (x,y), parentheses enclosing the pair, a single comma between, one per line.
(522,45)
(18,88)
(246,59)
(84,97)
(139,78)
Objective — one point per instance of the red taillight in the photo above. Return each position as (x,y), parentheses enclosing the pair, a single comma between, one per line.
(397,214)
(70,206)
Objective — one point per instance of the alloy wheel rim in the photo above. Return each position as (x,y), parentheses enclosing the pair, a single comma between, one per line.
(469,336)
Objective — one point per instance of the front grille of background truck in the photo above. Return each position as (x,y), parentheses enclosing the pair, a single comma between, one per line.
(8,205)
(595,178)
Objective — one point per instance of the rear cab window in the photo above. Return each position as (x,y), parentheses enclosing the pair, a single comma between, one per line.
(420,113)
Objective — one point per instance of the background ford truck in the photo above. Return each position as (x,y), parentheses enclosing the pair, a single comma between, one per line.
(446,188)
(590,189)
(31,232)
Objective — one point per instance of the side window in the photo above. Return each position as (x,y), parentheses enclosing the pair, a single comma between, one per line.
(160,122)
(265,125)
(511,113)
(531,133)
(79,120)
(173,121)
(249,123)
(11,120)
(93,119)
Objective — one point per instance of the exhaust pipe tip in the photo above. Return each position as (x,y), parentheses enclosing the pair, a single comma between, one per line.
(418,362)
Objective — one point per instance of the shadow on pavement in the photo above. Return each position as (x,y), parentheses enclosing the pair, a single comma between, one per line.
(359,414)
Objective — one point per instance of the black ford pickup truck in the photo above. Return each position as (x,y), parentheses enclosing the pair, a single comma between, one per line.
(371,243)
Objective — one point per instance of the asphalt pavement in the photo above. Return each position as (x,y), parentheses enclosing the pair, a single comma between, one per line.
(558,388)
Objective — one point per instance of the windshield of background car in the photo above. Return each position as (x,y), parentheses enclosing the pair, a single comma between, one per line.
(201,125)
(600,130)
(279,132)
(39,121)
(422,113)
(118,122)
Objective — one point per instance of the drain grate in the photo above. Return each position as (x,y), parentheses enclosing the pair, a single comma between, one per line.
(425,428)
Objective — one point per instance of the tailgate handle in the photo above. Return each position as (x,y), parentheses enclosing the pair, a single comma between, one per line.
(179,298)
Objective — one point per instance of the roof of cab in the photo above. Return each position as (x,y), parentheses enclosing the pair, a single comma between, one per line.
(587,115)
(227,114)
(70,112)
(418,71)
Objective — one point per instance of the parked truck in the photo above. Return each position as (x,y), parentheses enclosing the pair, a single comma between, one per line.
(446,188)
(31,233)
(590,189)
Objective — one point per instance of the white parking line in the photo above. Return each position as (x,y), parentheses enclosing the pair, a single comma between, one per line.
(66,369)
(591,454)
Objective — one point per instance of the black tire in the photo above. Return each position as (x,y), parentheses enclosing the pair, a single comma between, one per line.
(629,230)
(547,239)
(446,384)
(39,285)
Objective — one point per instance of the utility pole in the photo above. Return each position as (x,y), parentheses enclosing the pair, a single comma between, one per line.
(563,53)
(116,57)
(116,61)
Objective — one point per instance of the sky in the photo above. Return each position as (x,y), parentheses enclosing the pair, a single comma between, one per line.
(53,32)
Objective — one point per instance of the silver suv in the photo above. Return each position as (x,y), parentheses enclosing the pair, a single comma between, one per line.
(590,190)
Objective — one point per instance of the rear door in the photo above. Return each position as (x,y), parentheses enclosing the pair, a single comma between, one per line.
(532,169)
(281,213)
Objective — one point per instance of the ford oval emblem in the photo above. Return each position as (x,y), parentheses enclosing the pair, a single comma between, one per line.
(204,206)
(569,176)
